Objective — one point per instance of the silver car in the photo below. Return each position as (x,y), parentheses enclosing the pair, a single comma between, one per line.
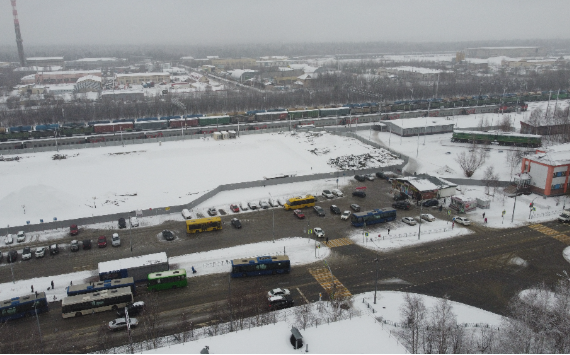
(9,239)
(40,252)
(263,204)
(121,323)
(409,220)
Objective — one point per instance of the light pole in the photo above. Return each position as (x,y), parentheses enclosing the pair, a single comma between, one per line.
(376,282)
(420,224)
(131,231)
(39,329)
(273,210)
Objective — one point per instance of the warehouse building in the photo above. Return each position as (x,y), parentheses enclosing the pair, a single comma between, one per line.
(549,170)
(141,78)
(487,52)
(419,126)
(88,83)
(64,77)
(45,61)
(423,187)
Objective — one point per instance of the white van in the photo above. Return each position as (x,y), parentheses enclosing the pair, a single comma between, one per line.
(186,214)
(564,216)
(115,240)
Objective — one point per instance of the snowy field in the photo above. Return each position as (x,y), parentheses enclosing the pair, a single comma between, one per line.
(116,179)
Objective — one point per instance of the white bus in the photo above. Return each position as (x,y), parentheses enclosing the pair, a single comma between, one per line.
(106,300)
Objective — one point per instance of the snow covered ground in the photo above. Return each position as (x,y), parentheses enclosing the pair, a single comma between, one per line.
(116,179)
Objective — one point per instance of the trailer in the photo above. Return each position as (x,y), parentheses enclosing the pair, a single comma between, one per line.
(137,267)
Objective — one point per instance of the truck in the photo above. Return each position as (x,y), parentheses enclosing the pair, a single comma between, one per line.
(137,267)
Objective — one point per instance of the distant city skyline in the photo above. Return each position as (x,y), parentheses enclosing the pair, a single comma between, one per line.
(256,21)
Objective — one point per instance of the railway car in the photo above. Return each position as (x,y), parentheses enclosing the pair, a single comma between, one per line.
(183,122)
(213,120)
(496,137)
(338,111)
(271,116)
(112,127)
(146,125)
(296,114)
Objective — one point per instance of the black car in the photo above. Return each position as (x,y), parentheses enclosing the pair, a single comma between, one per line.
(133,309)
(319,210)
(236,223)
(335,209)
(360,177)
(380,175)
(280,302)
(359,193)
(403,205)
(11,256)
(86,244)
(355,207)
(429,203)
(122,223)
(168,235)
(400,197)
(53,249)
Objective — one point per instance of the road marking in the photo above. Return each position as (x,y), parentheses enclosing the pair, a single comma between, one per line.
(551,233)
(327,281)
(302,295)
(563,238)
(333,243)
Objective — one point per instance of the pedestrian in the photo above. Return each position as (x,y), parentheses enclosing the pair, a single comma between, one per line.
(485,220)
(193,270)
(327,241)
(70,283)
(36,294)
(54,298)
(388,231)
(452,225)
(32,288)
(483,214)
(52,287)
(444,200)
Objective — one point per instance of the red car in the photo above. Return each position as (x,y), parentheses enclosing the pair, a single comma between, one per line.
(102,241)
(73,230)
(234,208)
(299,214)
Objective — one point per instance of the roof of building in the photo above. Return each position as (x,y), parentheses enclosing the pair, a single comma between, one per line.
(418,70)
(89,77)
(421,122)
(45,58)
(142,74)
(103,59)
(136,261)
(87,72)
(555,155)
(424,182)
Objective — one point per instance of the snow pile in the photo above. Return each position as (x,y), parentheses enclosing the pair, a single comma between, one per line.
(374,159)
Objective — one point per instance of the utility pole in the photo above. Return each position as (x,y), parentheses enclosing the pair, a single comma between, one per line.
(39,328)
(19,40)
(420,224)
(376,282)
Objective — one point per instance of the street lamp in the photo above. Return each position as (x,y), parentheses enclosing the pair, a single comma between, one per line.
(273,210)
(376,282)
(38,321)
(131,231)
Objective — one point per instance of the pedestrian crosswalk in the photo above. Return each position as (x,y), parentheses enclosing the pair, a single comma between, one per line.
(551,232)
(330,283)
(333,243)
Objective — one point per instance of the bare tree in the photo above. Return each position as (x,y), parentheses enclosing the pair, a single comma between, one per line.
(413,313)
(514,159)
(152,324)
(304,315)
(505,124)
(470,161)
(491,180)
(438,335)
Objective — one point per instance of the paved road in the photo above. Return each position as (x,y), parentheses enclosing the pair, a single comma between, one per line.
(476,269)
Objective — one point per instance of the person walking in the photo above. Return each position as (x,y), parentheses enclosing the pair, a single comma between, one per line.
(388,231)
(193,270)
(32,288)
(327,241)
(452,225)
(485,220)
(483,214)
(52,287)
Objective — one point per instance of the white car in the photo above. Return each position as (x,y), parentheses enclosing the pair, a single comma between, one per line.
(337,192)
(40,252)
(369,177)
(121,323)
(462,220)
(319,233)
(26,253)
(252,205)
(428,217)
(345,215)
(21,237)
(328,194)
(9,239)
(134,222)
(263,204)
(115,240)
(273,203)
(278,292)
(409,220)
(243,206)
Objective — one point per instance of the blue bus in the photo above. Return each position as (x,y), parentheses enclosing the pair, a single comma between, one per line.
(19,307)
(100,286)
(377,215)
(261,265)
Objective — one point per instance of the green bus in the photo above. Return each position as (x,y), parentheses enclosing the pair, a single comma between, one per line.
(167,279)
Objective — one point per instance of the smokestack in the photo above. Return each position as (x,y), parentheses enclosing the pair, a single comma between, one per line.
(18,34)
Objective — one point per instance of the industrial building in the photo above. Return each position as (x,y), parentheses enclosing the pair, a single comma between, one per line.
(487,52)
(419,126)
(64,77)
(88,83)
(45,61)
(95,63)
(141,78)
(545,128)
(548,170)
(423,186)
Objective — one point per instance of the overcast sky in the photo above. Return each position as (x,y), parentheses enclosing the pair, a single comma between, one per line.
(249,21)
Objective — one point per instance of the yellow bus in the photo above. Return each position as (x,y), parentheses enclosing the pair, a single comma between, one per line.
(203,224)
(300,202)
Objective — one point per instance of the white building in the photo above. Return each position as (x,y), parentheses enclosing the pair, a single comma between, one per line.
(549,170)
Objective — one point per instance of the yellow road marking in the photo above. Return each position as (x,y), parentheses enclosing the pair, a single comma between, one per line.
(333,243)
(329,282)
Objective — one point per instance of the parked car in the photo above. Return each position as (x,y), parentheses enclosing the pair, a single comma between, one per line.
(319,232)
(11,256)
(27,253)
(334,209)
(359,193)
(21,237)
(9,239)
(278,292)
(369,177)
(345,215)
(167,235)
(236,223)
(73,230)
(280,302)
(360,177)
(355,207)
(462,220)
(428,217)
(86,244)
(380,175)
(299,214)
(252,205)
(402,205)
(273,202)
(337,192)
(328,194)
(74,245)
(133,309)
(121,323)
(431,202)
(40,252)
(234,208)
(134,222)
(400,196)
(186,214)
(122,223)
(102,241)
(53,249)
(409,220)
(244,206)
(263,204)
(115,240)
(212,211)
(319,210)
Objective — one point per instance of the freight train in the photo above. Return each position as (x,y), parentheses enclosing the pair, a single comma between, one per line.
(497,137)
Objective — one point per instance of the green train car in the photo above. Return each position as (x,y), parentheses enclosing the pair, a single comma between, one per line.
(213,120)
(497,137)
(303,114)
